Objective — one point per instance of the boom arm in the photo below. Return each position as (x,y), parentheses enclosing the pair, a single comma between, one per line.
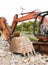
(5,28)
(31,15)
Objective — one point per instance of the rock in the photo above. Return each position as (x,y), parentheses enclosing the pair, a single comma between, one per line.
(8,58)
(2,53)
(13,64)
(9,53)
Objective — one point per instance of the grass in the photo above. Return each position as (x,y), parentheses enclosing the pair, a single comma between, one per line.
(32,38)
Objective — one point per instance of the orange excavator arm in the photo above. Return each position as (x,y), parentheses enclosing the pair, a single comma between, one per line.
(30,15)
(5,28)
(7,31)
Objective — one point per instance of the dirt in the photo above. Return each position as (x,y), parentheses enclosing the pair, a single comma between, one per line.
(9,58)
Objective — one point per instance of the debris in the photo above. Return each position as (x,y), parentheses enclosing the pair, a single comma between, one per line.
(8,58)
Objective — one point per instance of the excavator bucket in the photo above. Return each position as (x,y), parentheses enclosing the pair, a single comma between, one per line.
(22,45)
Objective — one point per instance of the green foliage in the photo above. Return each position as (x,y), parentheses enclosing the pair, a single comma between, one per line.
(28,27)
(33,38)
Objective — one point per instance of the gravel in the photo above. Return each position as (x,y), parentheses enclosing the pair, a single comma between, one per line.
(8,58)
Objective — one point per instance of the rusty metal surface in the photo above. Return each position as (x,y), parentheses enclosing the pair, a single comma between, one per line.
(22,45)
(41,46)
(5,28)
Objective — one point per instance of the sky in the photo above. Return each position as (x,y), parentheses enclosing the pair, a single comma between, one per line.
(8,8)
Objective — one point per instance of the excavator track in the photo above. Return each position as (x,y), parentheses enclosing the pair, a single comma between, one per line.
(41,47)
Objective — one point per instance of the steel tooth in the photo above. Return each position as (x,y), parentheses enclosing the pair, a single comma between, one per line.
(26,54)
(33,52)
(30,53)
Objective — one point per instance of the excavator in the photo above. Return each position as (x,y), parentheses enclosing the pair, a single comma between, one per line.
(42,35)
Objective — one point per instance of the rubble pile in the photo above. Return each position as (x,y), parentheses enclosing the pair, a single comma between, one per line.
(8,58)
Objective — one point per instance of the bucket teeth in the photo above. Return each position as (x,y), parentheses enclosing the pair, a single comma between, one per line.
(26,54)
(29,53)
(22,45)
